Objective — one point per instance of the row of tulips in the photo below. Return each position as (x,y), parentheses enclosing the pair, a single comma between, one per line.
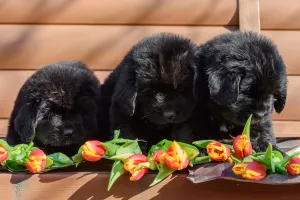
(166,157)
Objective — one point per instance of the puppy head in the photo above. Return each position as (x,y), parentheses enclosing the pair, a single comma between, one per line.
(65,98)
(245,75)
(159,79)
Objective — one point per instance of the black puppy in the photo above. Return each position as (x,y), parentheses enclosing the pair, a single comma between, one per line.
(245,75)
(152,93)
(56,108)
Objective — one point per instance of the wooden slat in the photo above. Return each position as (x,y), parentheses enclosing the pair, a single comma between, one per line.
(3,127)
(288,43)
(86,185)
(278,14)
(249,15)
(163,12)
(101,47)
(11,81)
(291,110)
(281,128)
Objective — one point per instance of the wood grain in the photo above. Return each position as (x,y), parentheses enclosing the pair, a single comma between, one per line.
(281,128)
(280,15)
(162,12)
(249,18)
(101,47)
(86,185)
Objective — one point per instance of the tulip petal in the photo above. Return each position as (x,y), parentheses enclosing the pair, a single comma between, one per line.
(293,166)
(176,158)
(218,151)
(3,154)
(138,174)
(36,161)
(93,150)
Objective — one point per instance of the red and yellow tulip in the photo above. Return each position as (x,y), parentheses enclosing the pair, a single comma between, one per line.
(159,156)
(132,162)
(293,166)
(93,150)
(218,151)
(176,158)
(242,147)
(36,161)
(250,170)
(3,154)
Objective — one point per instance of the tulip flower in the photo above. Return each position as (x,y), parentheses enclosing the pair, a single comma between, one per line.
(242,147)
(36,161)
(250,170)
(159,156)
(93,150)
(176,158)
(3,154)
(293,166)
(218,151)
(132,162)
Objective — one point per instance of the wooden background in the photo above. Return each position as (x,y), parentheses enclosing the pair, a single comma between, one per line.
(100,32)
(37,32)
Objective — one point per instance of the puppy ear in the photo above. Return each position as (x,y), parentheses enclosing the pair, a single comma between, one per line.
(24,123)
(196,81)
(224,88)
(125,92)
(280,97)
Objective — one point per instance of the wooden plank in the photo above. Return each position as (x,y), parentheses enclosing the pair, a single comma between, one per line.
(249,15)
(86,185)
(101,47)
(163,12)
(280,14)
(288,43)
(14,79)
(3,127)
(281,128)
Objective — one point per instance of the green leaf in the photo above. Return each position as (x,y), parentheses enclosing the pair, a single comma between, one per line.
(5,145)
(150,165)
(268,159)
(152,150)
(163,173)
(123,157)
(110,148)
(235,160)
(164,144)
(280,168)
(116,134)
(190,150)
(277,154)
(129,147)
(49,163)
(60,160)
(14,166)
(202,159)
(246,130)
(202,143)
(117,170)
(248,159)
(120,141)
(78,158)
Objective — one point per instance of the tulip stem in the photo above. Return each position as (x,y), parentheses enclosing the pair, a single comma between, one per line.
(202,159)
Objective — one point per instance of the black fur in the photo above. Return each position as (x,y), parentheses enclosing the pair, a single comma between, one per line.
(152,93)
(56,108)
(245,75)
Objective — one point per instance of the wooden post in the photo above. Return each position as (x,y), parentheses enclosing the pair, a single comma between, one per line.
(249,18)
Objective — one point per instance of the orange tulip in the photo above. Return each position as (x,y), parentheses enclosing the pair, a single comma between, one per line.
(159,156)
(93,150)
(3,154)
(36,162)
(218,151)
(250,170)
(242,147)
(293,166)
(132,162)
(176,158)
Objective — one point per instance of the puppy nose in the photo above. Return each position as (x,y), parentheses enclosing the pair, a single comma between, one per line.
(170,115)
(68,132)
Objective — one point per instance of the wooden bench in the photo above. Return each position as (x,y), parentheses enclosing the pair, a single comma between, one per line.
(37,32)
